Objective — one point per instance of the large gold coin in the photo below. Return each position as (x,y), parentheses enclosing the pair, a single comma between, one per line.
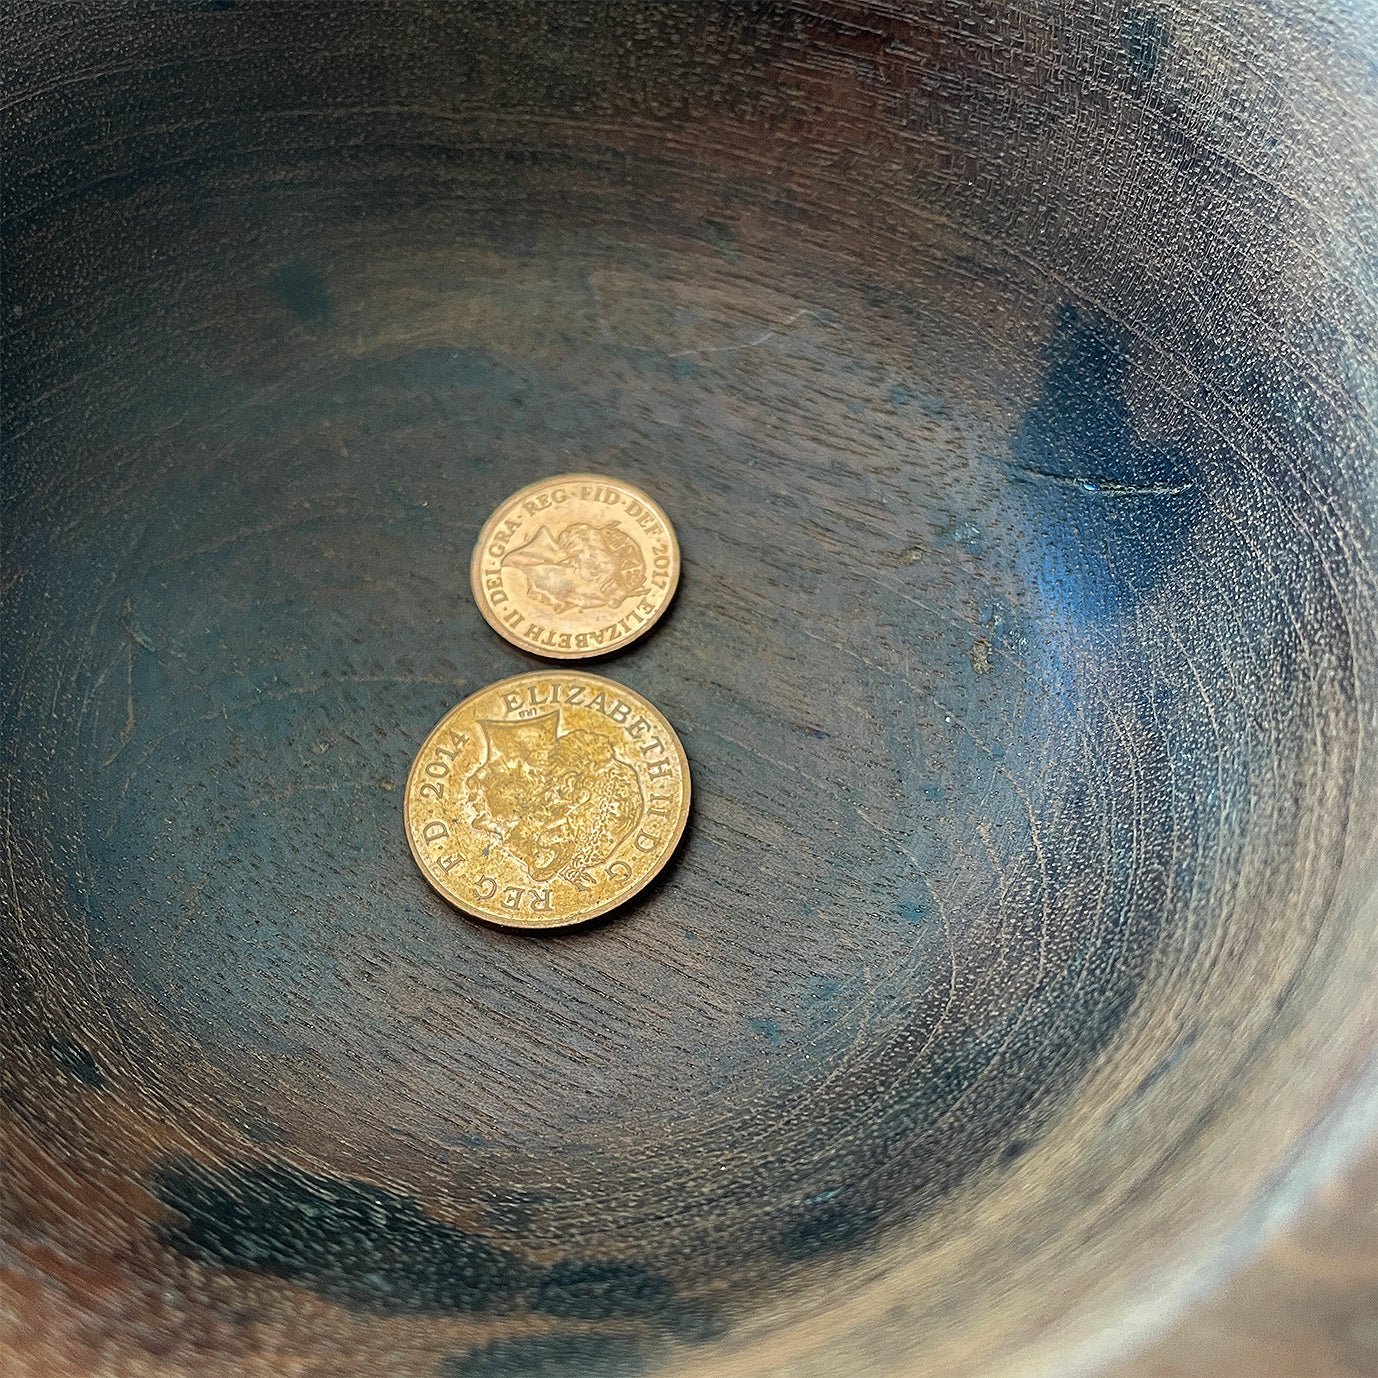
(547,799)
(575,566)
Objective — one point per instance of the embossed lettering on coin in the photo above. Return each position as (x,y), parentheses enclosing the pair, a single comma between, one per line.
(575,566)
(547,799)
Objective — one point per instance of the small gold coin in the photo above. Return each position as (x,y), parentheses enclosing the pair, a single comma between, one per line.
(575,566)
(547,799)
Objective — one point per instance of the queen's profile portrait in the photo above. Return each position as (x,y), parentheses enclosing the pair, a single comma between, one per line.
(559,802)
(583,567)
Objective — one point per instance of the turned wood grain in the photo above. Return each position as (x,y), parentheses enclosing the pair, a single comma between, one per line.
(1307,1308)
(1007,374)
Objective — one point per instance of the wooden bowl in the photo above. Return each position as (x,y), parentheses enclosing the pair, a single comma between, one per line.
(1008,372)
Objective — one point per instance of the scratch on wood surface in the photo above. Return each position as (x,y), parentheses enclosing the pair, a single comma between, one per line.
(1097,484)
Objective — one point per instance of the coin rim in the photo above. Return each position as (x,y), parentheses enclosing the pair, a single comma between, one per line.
(486,530)
(566,921)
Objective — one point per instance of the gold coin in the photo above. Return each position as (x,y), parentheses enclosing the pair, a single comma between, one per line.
(547,799)
(575,566)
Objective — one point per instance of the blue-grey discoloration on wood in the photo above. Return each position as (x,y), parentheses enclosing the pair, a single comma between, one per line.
(374,1250)
(1007,372)
(76,1060)
(600,1290)
(357,1244)
(572,1354)
(301,289)
(1120,508)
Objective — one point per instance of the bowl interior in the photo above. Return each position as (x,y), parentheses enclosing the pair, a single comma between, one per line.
(1023,656)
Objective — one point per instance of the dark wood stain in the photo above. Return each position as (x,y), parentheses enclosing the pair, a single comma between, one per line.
(1006,373)
(359,1245)
(557,1355)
